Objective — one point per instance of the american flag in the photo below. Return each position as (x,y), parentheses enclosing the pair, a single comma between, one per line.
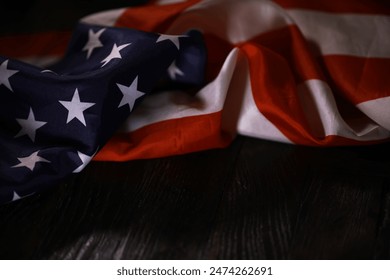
(196,73)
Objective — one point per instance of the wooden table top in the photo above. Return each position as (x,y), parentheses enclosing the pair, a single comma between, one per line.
(253,200)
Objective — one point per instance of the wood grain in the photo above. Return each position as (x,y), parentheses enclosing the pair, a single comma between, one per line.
(253,200)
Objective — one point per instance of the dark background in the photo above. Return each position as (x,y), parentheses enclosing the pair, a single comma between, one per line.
(253,200)
(47,15)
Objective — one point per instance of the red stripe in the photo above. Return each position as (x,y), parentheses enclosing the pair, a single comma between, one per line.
(38,44)
(280,60)
(153,18)
(289,44)
(165,138)
(286,42)
(274,92)
(186,135)
(217,51)
(358,79)
(343,6)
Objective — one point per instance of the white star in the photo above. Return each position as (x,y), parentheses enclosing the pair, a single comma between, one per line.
(85,159)
(76,108)
(93,41)
(173,70)
(15,197)
(5,74)
(30,161)
(115,53)
(130,94)
(29,126)
(173,38)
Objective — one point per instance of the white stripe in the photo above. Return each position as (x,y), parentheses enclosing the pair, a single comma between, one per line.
(345,34)
(250,122)
(232,20)
(378,110)
(106,18)
(324,118)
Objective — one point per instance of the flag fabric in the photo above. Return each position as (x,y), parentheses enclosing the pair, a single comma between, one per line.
(53,121)
(290,71)
(294,71)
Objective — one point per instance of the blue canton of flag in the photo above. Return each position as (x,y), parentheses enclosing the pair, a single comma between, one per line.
(53,121)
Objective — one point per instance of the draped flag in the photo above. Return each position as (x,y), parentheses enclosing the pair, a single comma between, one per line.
(294,71)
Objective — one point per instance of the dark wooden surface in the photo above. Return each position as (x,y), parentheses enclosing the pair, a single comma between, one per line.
(253,200)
